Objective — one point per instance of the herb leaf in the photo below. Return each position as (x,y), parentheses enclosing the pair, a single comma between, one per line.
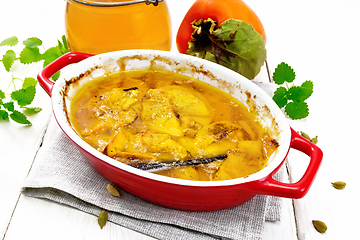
(11,41)
(19,118)
(9,106)
(53,53)
(4,115)
(50,55)
(297,110)
(293,97)
(29,81)
(31,110)
(30,55)
(280,97)
(307,89)
(2,94)
(8,59)
(64,44)
(283,73)
(300,93)
(24,96)
(32,42)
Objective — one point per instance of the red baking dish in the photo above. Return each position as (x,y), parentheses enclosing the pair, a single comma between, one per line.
(172,192)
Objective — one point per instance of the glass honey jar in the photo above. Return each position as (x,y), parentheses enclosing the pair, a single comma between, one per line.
(98,26)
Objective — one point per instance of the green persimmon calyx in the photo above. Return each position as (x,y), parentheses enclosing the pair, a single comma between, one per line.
(234,44)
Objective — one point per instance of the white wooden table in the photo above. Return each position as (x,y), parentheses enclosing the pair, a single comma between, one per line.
(319,39)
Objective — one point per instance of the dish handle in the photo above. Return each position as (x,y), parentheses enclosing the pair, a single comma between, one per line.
(269,186)
(45,74)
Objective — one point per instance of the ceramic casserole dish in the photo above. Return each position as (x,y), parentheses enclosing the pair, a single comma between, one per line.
(78,68)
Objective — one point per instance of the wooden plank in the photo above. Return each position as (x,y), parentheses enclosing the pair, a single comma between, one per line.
(14,170)
(291,38)
(322,48)
(19,144)
(286,227)
(41,219)
(30,213)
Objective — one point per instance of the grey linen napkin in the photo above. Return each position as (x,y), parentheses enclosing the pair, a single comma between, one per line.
(61,174)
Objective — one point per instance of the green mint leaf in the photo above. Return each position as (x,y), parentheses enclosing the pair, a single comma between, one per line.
(2,94)
(280,97)
(32,42)
(8,59)
(54,53)
(55,76)
(9,106)
(297,110)
(28,82)
(50,55)
(307,89)
(300,93)
(30,55)
(11,41)
(31,110)
(4,115)
(283,73)
(62,47)
(295,94)
(24,96)
(66,48)
(19,118)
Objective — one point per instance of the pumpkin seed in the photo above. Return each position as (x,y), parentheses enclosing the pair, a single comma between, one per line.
(304,135)
(102,219)
(113,190)
(319,226)
(314,140)
(339,185)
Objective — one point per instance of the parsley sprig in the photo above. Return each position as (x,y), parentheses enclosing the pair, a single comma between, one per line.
(20,99)
(293,97)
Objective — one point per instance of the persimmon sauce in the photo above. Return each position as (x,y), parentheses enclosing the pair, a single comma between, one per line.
(146,117)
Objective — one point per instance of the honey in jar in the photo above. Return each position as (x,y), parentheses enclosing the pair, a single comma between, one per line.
(98,26)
